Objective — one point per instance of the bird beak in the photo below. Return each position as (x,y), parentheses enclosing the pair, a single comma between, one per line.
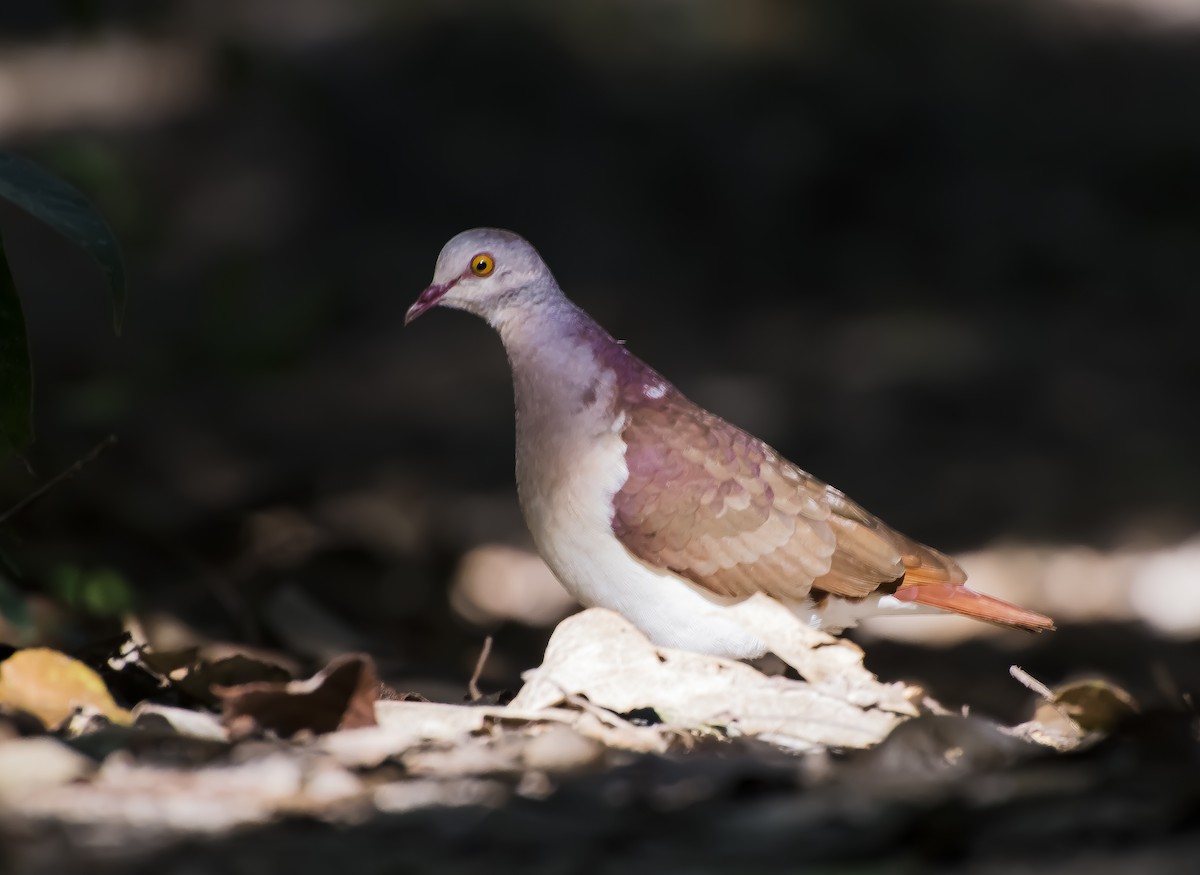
(427,300)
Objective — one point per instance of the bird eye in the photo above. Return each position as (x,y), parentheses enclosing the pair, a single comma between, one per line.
(482,264)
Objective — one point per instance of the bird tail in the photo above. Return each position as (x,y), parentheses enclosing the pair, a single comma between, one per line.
(958,599)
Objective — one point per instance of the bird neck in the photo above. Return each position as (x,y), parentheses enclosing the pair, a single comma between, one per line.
(557,353)
(561,357)
(543,333)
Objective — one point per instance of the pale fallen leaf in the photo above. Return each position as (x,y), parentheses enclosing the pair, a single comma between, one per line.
(412,795)
(401,726)
(601,656)
(549,748)
(561,749)
(184,721)
(30,763)
(833,664)
(467,756)
(189,800)
(404,726)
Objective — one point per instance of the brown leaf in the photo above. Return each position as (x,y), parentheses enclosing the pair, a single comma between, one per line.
(51,685)
(340,696)
(164,662)
(203,679)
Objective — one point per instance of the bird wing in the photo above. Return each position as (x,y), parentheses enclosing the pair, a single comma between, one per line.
(711,503)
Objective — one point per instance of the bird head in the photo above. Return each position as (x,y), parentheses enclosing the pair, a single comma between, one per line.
(483,271)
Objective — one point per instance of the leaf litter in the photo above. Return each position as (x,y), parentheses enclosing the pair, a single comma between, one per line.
(604,698)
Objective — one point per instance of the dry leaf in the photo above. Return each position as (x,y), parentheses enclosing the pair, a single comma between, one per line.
(835,665)
(51,685)
(182,721)
(30,763)
(201,679)
(404,796)
(403,725)
(561,749)
(340,696)
(1077,714)
(599,655)
(1095,704)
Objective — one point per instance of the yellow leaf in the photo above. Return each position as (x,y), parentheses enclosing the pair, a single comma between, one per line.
(1095,704)
(51,685)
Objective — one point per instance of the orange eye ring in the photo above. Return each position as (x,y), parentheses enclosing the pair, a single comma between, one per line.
(482,264)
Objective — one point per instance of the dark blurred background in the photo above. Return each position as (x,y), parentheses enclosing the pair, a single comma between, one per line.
(943,254)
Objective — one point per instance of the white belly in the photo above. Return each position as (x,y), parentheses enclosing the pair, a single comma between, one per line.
(569,510)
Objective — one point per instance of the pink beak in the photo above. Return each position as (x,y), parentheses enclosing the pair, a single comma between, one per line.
(427,300)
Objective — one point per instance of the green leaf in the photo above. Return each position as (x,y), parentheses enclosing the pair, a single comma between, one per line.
(106,593)
(66,582)
(16,377)
(48,198)
(98,592)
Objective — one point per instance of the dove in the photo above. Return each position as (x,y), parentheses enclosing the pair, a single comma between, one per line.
(642,502)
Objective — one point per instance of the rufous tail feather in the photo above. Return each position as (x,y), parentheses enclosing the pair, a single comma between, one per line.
(958,599)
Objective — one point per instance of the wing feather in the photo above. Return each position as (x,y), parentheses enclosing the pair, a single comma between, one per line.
(711,503)
(708,501)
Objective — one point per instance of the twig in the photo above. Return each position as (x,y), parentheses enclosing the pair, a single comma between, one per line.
(473,683)
(70,471)
(1030,682)
(604,715)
